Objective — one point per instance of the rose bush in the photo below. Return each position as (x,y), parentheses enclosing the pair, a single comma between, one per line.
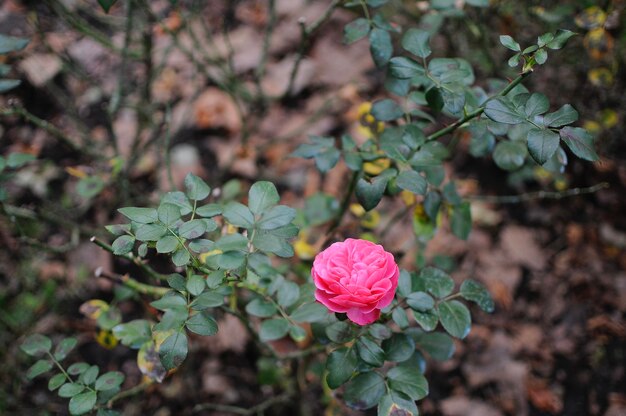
(356,277)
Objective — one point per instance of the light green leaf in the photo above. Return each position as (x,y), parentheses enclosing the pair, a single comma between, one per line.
(288,293)
(64,348)
(123,245)
(70,389)
(150,232)
(427,320)
(273,329)
(404,68)
(140,215)
(83,403)
(415,41)
(181,257)
(209,210)
(133,334)
(207,300)
(399,317)
(261,308)
(386,110)
(168,213)
(238,215)
(396,404)
(167,244)
(503,111)
(436,281)
(38,368)
(90,375)
(541,56)
(310,312)
(509,43)
(180,200)
(11,44)
(110,380)
(196,188)
(192,229)
(420,301)
(196,284)
(412,181)
(56,381)
(560,39)
(276,217)
(262,196)
(36,344)
(461,220)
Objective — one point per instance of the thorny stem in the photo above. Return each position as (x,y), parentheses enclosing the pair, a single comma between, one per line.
(258,409)
(144,289)
(137,260)
(516,199)
(129,392)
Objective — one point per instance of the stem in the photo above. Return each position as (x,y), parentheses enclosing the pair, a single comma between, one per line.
(129,392)
(344,205)
(516,199)
(144,289)
(135,259)
(60,367)
(260,70)
(258,409)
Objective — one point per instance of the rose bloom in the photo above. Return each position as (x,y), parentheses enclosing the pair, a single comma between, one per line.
(356,277)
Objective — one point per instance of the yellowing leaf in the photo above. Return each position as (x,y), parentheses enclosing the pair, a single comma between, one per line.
(357,210)
(204,256)
(368,126)
(377,166)
(407,197)
(608,118)
(371,219)
(303,249)
(93,308)
(600,77)
(591,18)
(76,172)
(106,339)
(599,43)
(592,127)
(149,362)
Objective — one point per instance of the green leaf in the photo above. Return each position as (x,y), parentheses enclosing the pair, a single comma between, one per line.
(180,200)
(261,308)
(580,142)
(231,260)
(56,381)
(461,220)
(262,195)
(196,188)
(355,30)
(439,345)
(510,155)
(396,404)
(84,402)
(379,331)
(509,42)
(238,215)
(412,181)
(399,317)
(70,389)
(273,329)
(310,312)
(110,380)
(173,351)
(541,56)
(436,281)
(432,203)
(207,300)
(475,292)
(196,284)
(106,4)
(420,301)
(202,324)
(415,41)
(77,368)
(209,210)
(123,245)
(399,347)
(38,368)
(288,294)
(537,104)
(369,193)
(8,84)
(150,232)
(503,111)
(408,380)
(140,215)
(560,39)
(340,366)
(478,3)
(277,217)
(339,332)
(386,110)
(514,60)
(90,375)
(64,348)
(427,320)
(36,344)
(542,144)
(376,3)
(364,391)
(192,229)
(404,68)
(181,257)
(167,244)
(133,334)
(327,159)
(11,44)
(455,318)
(370,351)
(563,116)
(168,213)
(381,48)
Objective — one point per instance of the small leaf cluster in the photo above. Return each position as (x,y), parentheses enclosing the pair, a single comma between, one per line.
(384,367)
(80,382)
(535,54)
(9,44)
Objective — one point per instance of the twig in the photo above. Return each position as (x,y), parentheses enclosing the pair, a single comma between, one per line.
(259,408)
(137,260)
(344,206)
(129,392)
(516,199)
(305,35)
(137,286)
(269,29)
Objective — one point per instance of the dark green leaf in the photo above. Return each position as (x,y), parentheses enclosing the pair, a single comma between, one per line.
(381,48)
(415,41)
(173,351)
(262,195)
(370,351)
(399,347)
(180,200)
(70,389)
(36,344)
(427,320)
(123,245)
(64,348)
(106,4)
(503,111)
(434,100)
(140,215)
(207,300)
(260,307)
(168,213)
(537,104)
(412,181)
(276,217)
(150,232)
(436,281)
(118,229)
(77,368)
(196,284)
(89,186)
(386,110)
(170,301)
(355,30)
(509,43)
(408,380)
(196,188)
(38,368)
(202,324)
(396,404)
(364,391)
(420,301)
(209,210)
(110,380)
(461,220)
(376,3)
(399,317)
(84,402)
(476,292)
(310,312)
(455,318)
(181,257)
(340,366)
(563,116)
(288,294)
(167,244)
(580,142)
(379,331)
(273,329)
(238,215)
(339,332)
(542,144)
(439,345)
(509,155)
(192,229)
(404,68)
(369,193)
(231,260)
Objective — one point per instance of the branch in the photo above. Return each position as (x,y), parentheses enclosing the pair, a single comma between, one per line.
(144,289)
(516,199)
(135,259)
(258,409)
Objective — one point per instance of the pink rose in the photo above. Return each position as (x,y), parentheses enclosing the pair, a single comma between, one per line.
(356,277)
